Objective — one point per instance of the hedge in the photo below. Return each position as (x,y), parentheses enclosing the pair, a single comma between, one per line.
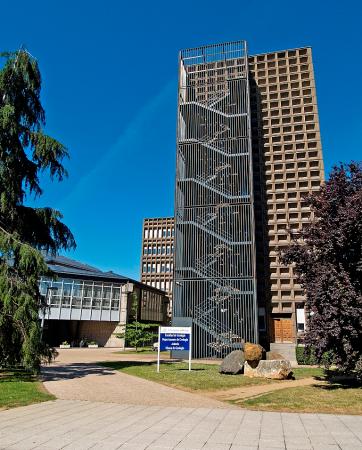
(305,357)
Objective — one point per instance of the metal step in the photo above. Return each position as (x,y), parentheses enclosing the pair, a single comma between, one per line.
(221,341)
(217,190)
(216,111)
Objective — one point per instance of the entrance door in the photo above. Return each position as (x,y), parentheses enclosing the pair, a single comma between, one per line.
(283,329)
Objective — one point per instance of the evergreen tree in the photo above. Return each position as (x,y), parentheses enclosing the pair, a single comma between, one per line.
(25,152)
(328,262)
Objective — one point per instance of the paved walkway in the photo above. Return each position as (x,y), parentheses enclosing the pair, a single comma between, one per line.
(87,381)
(72,424)
(75,376)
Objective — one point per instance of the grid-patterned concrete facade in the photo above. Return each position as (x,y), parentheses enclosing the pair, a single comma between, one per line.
(286,140)
(157,253)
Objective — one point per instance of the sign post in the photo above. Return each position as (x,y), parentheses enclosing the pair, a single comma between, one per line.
(173,339)
(158,351)
(190,351)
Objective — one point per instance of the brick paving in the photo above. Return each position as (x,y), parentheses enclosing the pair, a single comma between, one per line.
(75,424)
(87,381)
(76,376)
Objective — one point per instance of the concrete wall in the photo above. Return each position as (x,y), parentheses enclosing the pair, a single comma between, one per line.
(72,331)
(101,332)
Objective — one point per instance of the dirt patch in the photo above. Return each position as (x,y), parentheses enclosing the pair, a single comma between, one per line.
(242,393)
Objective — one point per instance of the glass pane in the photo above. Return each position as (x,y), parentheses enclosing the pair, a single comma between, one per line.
(67,289)
(86,303)
(77,290)
(115,304)
(116,293)
(76,302)
(55,301)
(88,290)
(106,303)
(66,302)
(107,292)
(97,293)
(96,304)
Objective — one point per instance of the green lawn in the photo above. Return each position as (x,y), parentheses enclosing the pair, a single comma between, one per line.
(20,389)
(202,377)
(306,372)
(331,398)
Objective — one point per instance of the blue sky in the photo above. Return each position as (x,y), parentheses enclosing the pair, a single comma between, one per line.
(109,90)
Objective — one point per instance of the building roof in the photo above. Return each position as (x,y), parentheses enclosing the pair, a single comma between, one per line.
(68,267)
(64,262)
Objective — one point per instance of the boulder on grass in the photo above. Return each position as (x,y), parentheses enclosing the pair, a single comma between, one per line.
(253,352)
(277,369)
(273,355)
(233,363)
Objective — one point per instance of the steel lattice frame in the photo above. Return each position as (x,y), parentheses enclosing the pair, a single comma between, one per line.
(214,269)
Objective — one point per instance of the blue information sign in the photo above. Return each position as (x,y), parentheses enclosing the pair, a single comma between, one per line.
(173,339)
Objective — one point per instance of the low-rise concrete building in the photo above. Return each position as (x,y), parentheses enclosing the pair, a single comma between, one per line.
(87,303)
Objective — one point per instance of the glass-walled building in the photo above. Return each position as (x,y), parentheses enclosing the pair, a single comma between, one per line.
(84,302)
(79,299)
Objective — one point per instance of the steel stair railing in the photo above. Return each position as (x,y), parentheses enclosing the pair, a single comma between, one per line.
(227,154)
(214,110)
(205,143)
(216,98)
(202,221)
(218,190)
(204,315)
(206,218)
(221,334)
(222,238)
(218,169)
(216,134)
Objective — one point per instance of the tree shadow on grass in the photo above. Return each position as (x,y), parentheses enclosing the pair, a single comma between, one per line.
(338,380)
(16,375)
(119,365)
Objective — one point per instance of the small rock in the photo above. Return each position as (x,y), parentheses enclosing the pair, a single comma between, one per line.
(273,355)
(233,363)
(253,352)
(277,369)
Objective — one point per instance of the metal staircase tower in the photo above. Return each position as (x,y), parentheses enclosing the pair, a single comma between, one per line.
(214,267)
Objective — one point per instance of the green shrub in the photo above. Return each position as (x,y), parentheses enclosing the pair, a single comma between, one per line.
(305,357)
(308,358)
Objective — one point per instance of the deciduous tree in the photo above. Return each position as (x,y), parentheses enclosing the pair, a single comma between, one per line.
(327,254)
(139,334)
